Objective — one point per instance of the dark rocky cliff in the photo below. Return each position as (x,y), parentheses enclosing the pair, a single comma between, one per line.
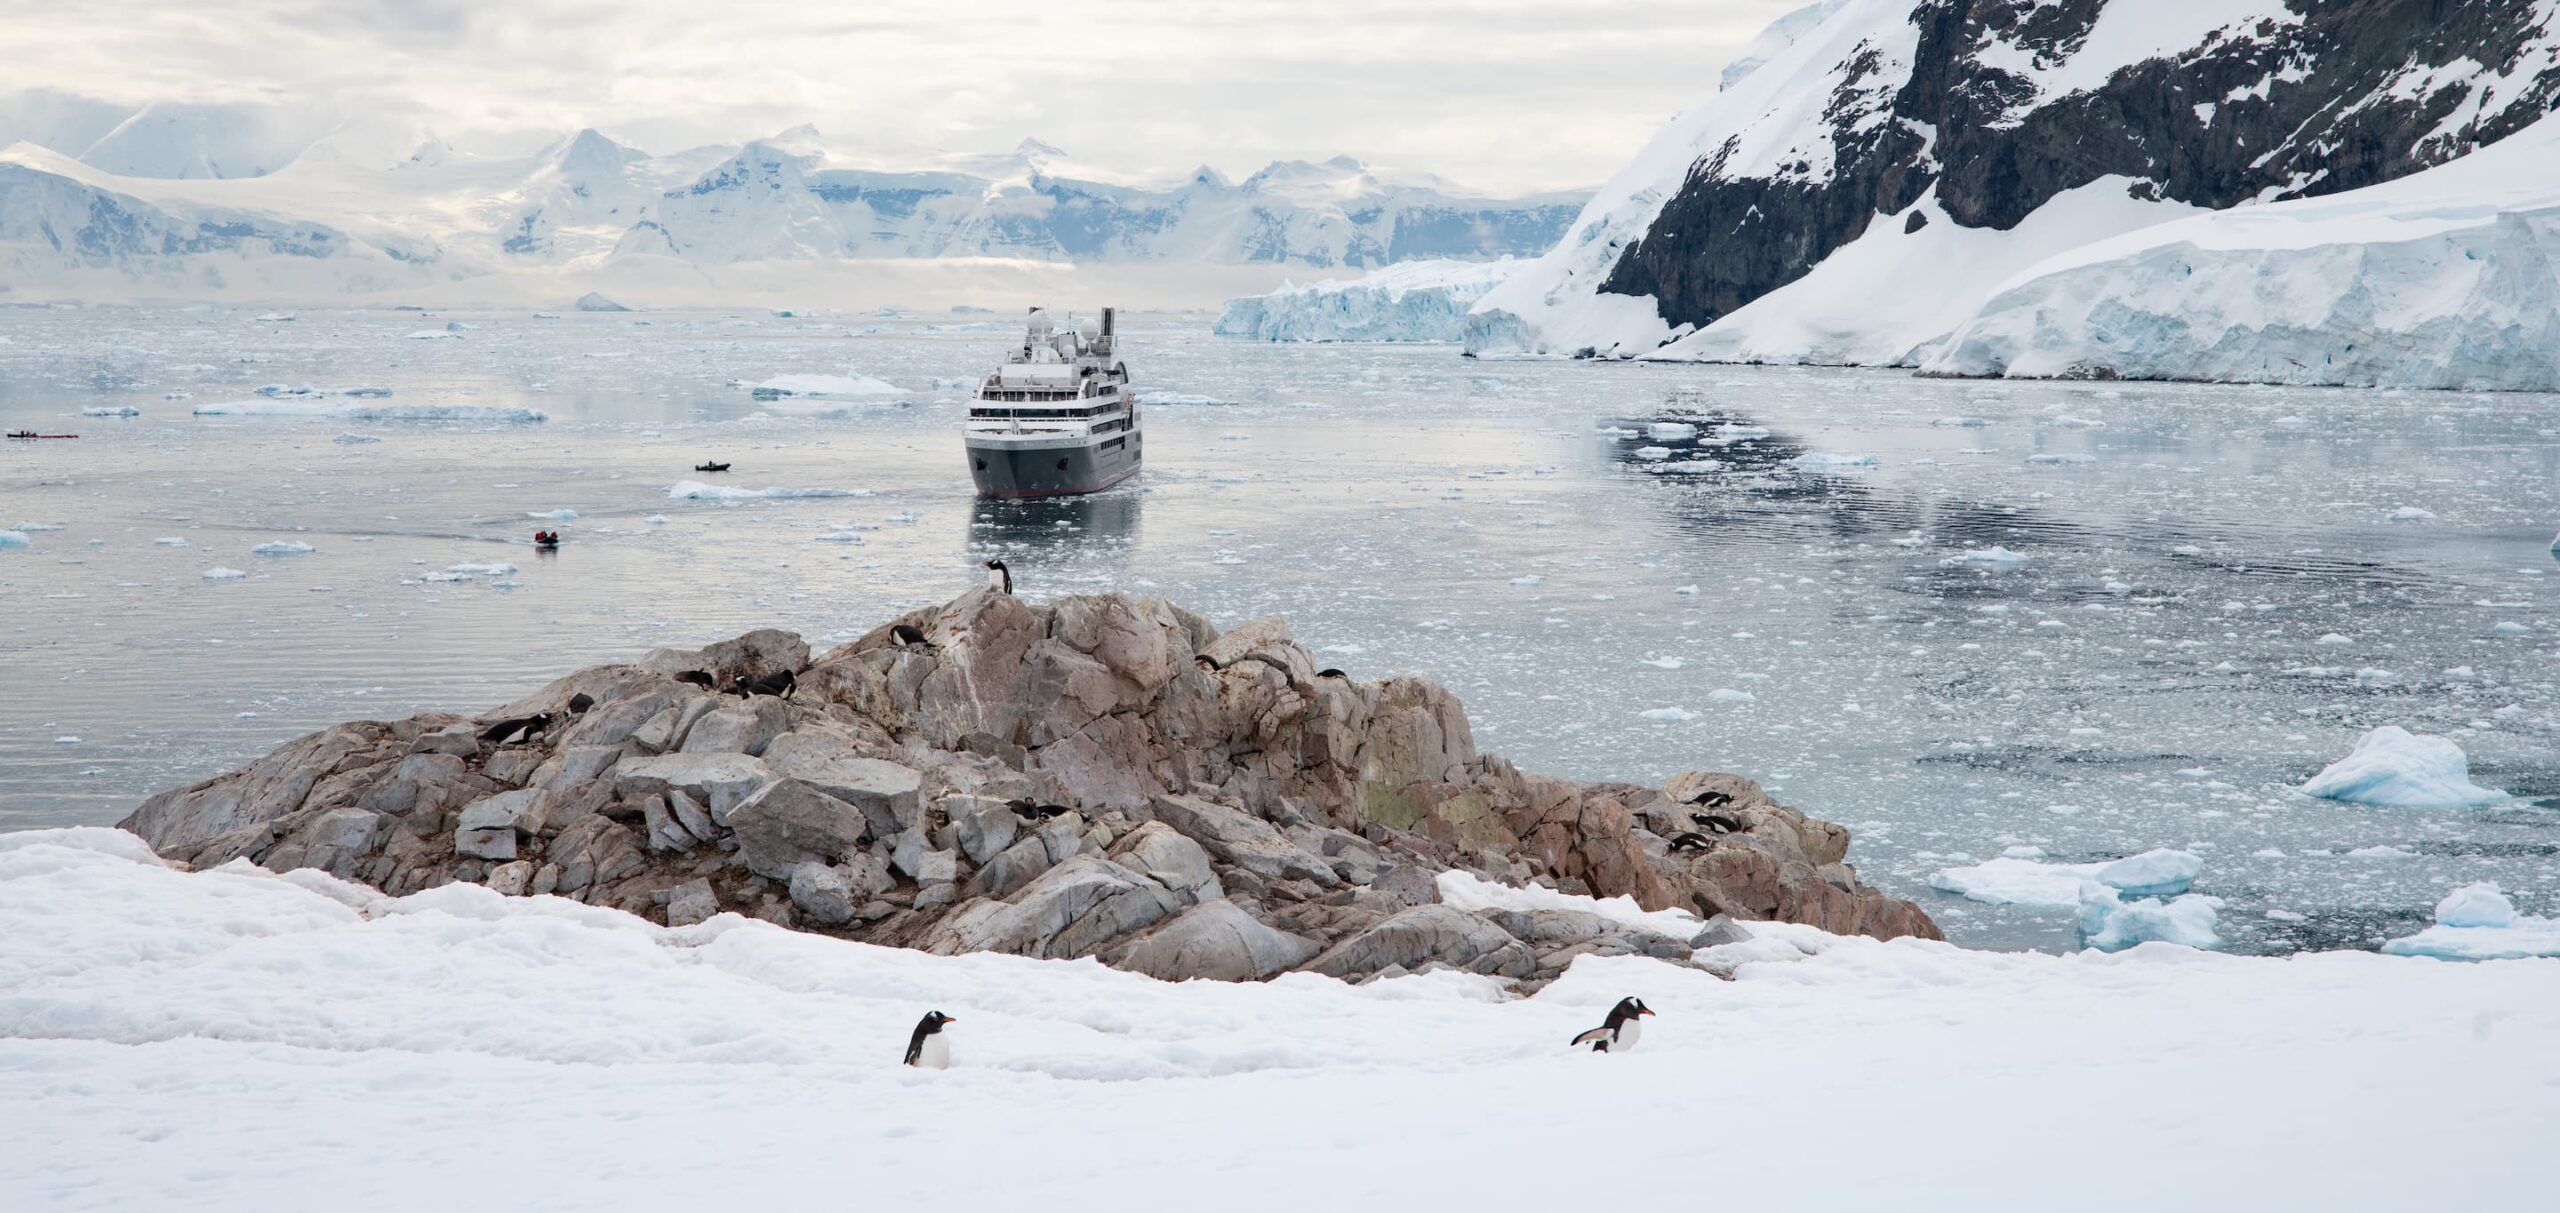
(2347,94)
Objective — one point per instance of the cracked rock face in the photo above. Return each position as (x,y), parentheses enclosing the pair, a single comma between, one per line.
(1100,776)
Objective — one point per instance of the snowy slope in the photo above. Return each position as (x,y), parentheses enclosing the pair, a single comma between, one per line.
(1408,301)
(2446,279)
(237,1040)
(1932,149)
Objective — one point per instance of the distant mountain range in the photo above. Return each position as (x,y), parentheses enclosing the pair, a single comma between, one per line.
(177,200)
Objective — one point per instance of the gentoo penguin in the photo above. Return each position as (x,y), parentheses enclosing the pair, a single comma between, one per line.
(580,702)
(780,682)
(906,634)
(1717,823)
(1034,810)
(522,728)
(999,576)
(929,1049)
(1692,842)
(700,678)
(1620,1032)
(1711,799)
(1333,673)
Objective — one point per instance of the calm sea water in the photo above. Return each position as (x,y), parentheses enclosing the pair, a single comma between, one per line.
(2212,600)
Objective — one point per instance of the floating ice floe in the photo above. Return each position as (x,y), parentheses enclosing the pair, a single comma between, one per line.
(276,317)
(2509,627)
(2477,922)
(308,392)
(1653,452)
(170,541)
(2110,923)
(223,574)
(2392,766)
(35,527)
(1670,431)
(283,547)
(554,515)
(1825,461)
(1731,432)
(2409,513)
(825,387)
(1664,663)
(1994,555)
(840,537)
(485,570)
(1685,591)
(14,539)
(2023,881)
(1527,579)
(655,520)
(346,410)
(116,411)
(354,439)
(2061,458)
(435,335)
(695,490)
(1971,423)
(1730,695)
(1671,714)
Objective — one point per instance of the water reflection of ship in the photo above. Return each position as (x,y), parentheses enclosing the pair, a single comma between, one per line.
(1082,526)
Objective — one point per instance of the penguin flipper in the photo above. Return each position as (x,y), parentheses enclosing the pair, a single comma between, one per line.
(1597,1038)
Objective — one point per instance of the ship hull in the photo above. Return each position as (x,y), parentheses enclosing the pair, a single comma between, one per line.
(1010,471)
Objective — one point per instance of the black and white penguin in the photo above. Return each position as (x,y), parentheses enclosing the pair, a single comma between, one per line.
(780,683)
(907,635)
(1621,1031)
(1717,823)
(522,728)
(929,1049)
(1033,810)
(1685,841)
(700,678)
(1711,799)
(999,576)
(1333,673)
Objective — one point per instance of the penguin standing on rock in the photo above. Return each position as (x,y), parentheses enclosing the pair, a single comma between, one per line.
(520,729)
(999,576)
(1617,1035)
(907,635)
(929,1049)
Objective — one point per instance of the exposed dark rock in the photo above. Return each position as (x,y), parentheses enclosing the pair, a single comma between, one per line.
(1231,818)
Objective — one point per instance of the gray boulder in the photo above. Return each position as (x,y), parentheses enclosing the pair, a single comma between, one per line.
(691,902)
(719,782)
(789,823)
(1245,841)
(746,726)
(1172,860)
(487,827)
(1071,910)
(1215,940)
(891,794)
(822,894)
(982,825)
(1425,934)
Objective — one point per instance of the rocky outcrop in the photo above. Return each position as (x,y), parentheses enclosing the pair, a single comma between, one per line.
(1099,776)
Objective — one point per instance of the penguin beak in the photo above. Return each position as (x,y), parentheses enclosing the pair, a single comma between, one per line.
(1646,1011)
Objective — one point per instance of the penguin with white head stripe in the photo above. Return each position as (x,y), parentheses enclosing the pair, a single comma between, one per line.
(929,1049)
(1620,1032)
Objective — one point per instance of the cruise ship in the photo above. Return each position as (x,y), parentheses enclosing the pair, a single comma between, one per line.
(1057,417)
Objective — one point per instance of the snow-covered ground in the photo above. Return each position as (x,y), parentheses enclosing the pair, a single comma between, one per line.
(1410,301)
(238,1040)
(2442,279)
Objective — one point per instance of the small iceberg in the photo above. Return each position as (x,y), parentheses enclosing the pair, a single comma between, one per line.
(13,539)
(2392,766)
(2409,513)
(283,547)
(435,335)
(2477,922)
(1995,556)
(224,574)
(1671,431)
(554,515)
(1670,714)
(126,410)
(354,439)
(2110,923)
(695,490)
(485,570)
(1824,461)
(2020,880)
(825,387)
(2059,459)
(594,302)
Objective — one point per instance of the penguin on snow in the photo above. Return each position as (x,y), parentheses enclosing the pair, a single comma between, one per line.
(1617,1035)
(929,1049)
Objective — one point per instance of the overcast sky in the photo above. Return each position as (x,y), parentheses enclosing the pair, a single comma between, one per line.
(1505,95)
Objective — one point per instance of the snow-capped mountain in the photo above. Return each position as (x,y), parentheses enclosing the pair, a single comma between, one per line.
(1874,170)
(588,206)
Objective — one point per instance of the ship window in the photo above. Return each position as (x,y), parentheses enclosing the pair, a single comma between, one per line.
(1115,444)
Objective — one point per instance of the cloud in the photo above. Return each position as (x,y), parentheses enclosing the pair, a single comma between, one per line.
(1503,95)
